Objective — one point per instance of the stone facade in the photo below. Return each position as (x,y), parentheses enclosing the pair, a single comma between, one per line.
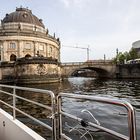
(23,38)
(27,46)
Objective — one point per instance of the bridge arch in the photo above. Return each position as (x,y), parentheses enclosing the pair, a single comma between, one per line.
(105,69)
(100,72)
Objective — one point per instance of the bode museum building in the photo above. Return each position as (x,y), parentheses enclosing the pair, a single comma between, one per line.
(28,53)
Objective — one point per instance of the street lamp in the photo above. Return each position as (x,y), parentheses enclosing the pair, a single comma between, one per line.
(88,53)
(104,57)
(117,52)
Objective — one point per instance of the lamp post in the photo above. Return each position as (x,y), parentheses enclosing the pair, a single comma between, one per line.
(88,53)
(117,52)
(104,58)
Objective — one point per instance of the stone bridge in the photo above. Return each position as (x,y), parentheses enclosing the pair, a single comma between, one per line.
(104,69)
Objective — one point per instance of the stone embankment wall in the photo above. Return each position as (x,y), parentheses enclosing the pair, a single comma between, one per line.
(129,71)
(30,71)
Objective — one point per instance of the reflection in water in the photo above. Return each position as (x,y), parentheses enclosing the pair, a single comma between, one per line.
(128,90)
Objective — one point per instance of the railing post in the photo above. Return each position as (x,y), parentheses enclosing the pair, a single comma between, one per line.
(59,117)
(14,103)
(130,112)
(54,133)
(132,123)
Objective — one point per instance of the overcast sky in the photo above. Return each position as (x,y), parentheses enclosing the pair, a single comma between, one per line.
(103,25)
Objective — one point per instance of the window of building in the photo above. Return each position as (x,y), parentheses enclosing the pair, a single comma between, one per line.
(41,47)
(25,15)
(12,45)
(51,50)
(27,46)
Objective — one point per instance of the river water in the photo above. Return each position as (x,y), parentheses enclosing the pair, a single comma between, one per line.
(128,90)
(109,116)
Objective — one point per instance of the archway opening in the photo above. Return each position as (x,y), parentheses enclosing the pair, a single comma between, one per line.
(90,72)
(27,55)
(13,57)
(84,73)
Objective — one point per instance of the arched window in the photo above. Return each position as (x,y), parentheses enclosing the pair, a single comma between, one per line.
(13,57)
(27,55)
(50,50)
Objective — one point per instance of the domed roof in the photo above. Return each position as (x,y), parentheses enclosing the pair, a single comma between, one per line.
(23,15)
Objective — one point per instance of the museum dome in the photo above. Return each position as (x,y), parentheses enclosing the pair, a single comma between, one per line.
(23,15)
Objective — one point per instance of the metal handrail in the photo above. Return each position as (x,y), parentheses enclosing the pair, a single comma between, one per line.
(128,106)
(52,108)
(60,112)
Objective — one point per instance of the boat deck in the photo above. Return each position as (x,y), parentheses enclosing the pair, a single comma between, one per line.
(15,130)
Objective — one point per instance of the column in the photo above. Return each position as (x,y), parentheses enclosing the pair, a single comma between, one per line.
(34,53)
(1,50)
(18,49)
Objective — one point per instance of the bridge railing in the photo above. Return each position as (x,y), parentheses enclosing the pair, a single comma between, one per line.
(94,62)
(72,63)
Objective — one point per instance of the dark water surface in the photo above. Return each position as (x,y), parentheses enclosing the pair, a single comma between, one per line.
(128,90)
(110,116)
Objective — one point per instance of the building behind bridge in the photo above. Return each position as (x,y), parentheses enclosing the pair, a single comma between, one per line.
(136,46)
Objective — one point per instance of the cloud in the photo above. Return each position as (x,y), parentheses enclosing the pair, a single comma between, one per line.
(110,2)
(75,3)
(66,3)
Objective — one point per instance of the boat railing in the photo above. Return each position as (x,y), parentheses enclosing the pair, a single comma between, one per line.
(15,96)
(82,122)
(58,113)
